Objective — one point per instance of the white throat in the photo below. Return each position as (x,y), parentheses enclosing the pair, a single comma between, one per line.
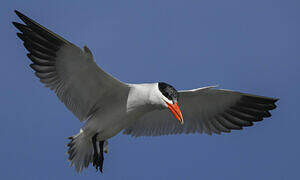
(144,98)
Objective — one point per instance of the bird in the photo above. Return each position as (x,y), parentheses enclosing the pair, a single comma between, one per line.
(108,106)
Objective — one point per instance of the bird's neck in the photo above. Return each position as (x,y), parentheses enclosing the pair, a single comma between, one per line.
(139,98)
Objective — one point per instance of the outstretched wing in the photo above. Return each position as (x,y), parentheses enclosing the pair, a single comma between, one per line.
(66,69)
(206,110)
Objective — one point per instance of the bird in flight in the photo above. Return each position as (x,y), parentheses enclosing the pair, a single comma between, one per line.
(109,106)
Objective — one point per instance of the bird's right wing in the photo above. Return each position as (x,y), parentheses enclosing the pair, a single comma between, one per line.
(66,69)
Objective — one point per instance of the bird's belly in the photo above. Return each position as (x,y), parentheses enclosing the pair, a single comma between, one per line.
(111,127)
(108,122)
(109,130)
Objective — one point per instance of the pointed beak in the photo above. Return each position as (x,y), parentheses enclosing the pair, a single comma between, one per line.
(174,108)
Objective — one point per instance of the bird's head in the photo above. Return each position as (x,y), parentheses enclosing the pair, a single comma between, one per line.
(169,97)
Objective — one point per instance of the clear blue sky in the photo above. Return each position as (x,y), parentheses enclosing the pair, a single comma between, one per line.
(250,46)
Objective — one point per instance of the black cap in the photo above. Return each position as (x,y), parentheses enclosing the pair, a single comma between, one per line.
(168,91)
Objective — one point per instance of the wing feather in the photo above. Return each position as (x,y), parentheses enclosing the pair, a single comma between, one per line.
(66,69)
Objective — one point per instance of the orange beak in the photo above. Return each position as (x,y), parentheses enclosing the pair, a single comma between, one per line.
(174,108)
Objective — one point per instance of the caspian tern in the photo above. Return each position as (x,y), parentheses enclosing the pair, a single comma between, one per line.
(109,106)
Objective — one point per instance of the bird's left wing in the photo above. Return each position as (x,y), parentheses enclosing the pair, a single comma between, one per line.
(69,71)
(206,110)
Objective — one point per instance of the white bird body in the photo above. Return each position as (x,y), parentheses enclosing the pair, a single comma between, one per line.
(109,106)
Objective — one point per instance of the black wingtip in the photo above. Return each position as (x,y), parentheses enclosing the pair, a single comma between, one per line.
(24,18)
(18,13)
(16,24)
(20,27)
(259,99)
(21,36)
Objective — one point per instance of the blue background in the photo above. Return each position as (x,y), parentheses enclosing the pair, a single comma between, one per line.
(249,46)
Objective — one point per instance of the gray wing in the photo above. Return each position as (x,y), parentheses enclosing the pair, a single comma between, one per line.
(206,110)
(66,69)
